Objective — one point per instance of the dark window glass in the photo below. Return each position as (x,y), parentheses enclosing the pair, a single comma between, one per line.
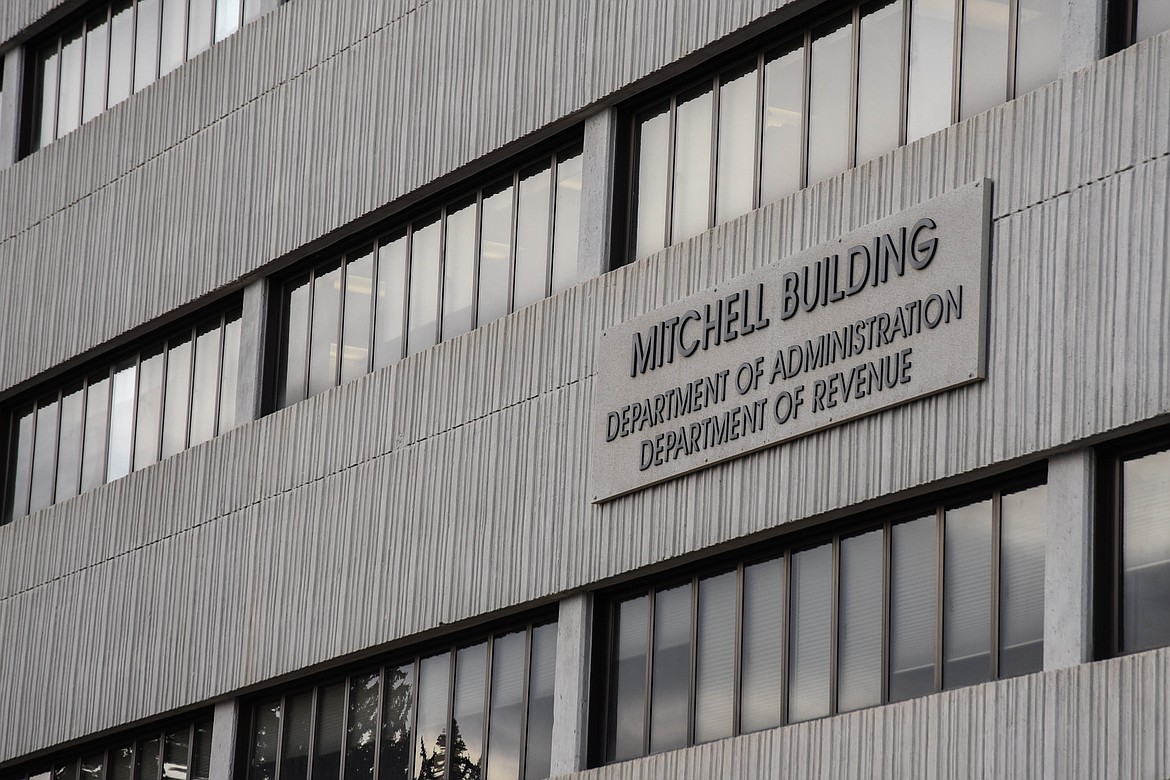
(985,56)
(879,80)
(567,221)
(201,751)
(361,728)
(146,45)
(507,707)
(147,427)
(811,638)
(397,726)
(859,622)
(330,725)
(69,441)
(1021,578)
(691,194)
(467,715)
(423,318)
(783,121)
(44,461)
(715,658)
(828,108)
(670,686)
(735,170)
(325,333)
(653,174)
(627,716)
(176,754)
(1145,552)
(97,56)
(530,283)
(433,686)
(93,767)
(298,726)
(359,287)
(391,305)
(763,645)
(495,263)
(122,763)
(541,681)
(913,604)
(967,576)
(265,740)
(459,271)
(148,759)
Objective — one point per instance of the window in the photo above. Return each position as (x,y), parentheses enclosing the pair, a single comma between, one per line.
(117,417)
(476,709)
(835,94)
(949,595)
(116,49)
(472,260)
(1131,21)
(174,751)
(1136,546)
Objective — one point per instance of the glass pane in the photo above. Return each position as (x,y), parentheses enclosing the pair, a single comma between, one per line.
(627,693)
(47,76)
(69,445)
(737,144)
(1153,17)
(361,730)
(812,630)
(296,353)
(229,374)
(531,279)
(653,169)
(199,26)
(253,9)
(1145,552)
(265,740)
(467,721)
(433,684)
(566,230)
(397,709)
(122,763)
(69,106)
(298,722)
(174,35)
(359,286)
(176,749)
(828,107)
(93,767)
(670,688)
(326,329)
(495,253)
(859,623)
(1021,581)
(967,561)
(391,304)
(1038,44)
(205,390)
(424,286)
(783,115)
(763,645)
(879,80)
(507,713)
(985,56)
(65,771)
(121,52)
(459,271)
(715,659)
(121,420)
(692,166)
(97,419)
(913,602)
(19,476)
(538,761)
(177,405)
(227,18)
(147,427)
(148,759)
(330,724)
(97,55)
(44,462)
(932,39)
(146,49)
(201,751)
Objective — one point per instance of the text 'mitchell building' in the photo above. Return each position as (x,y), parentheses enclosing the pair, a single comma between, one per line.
(505,389)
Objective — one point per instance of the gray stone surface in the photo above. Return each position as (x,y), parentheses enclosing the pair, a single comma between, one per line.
(10,105)
(597,167)
(571,700)
(223,744)
(1068,563)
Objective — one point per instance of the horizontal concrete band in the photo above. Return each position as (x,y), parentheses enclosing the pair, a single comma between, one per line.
(1102,720)
(453,484)
(304,121)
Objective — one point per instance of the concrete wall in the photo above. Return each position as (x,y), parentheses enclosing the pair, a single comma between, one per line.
(453,484)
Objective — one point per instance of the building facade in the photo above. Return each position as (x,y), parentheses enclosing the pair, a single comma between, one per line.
(501,389)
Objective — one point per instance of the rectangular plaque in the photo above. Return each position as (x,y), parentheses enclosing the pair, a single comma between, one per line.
(888,313)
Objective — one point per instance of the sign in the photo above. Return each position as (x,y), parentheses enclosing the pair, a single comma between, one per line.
(883,315)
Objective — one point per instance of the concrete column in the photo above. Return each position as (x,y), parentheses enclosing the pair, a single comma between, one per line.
(597,166)
(1068,563)
(571,697)
(253,324)
(1083,33)
(10,106)
(223,740)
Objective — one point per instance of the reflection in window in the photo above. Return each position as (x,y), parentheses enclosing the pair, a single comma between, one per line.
(119,49)
(180,751)
(849,623)
(455,714)
(842,91)
(473,261)
(1144,555)
(151,404)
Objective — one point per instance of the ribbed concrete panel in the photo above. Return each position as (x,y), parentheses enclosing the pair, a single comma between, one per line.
(453,484)
(302,122)
(1104,720)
